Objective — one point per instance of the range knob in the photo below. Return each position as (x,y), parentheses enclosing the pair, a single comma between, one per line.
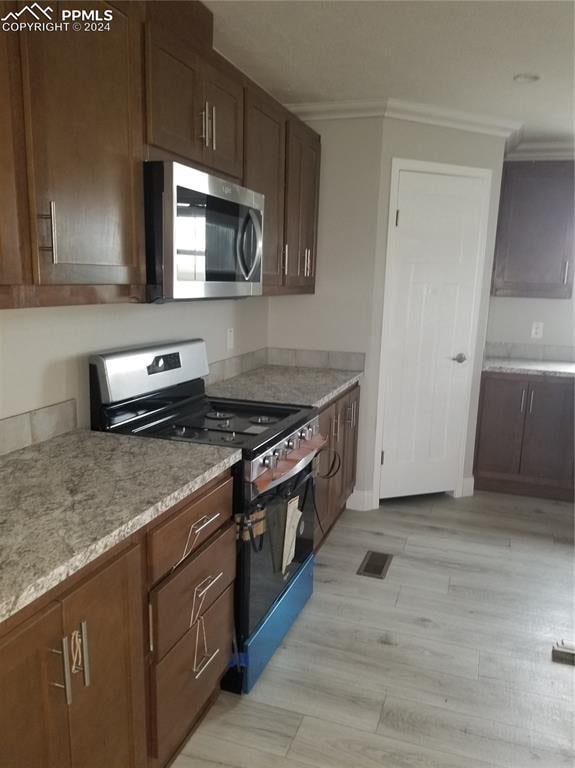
(271,460)
(290,444)
(302,434)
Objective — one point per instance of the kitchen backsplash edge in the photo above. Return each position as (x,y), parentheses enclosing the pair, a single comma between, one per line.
(538,352)
(35,426)
(41,424)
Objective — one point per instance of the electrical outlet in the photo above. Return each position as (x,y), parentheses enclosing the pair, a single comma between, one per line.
(230,339)
(537,330)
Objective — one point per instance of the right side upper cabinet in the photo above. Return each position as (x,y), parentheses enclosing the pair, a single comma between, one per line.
(534,246)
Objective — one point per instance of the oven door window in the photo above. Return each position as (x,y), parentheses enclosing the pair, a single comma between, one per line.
(216,240)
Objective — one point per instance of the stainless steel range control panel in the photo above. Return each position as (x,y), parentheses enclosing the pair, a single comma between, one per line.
(281,450)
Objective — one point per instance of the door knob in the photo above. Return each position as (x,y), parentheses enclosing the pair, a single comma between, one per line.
(459,358)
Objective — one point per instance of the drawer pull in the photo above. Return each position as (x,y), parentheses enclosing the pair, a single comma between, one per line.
(67,686)
(205,663)
(195,530)
(200,593)
(203,522)
(206,658)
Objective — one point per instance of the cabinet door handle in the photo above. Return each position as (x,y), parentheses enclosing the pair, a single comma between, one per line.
(204,126)
(207,128)
(54,231)
(523,396)
(64,653)
(213,128)
(565,271)
(85,654)
(531,399)
(286,261)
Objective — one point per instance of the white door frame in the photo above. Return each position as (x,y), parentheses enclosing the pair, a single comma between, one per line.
(422,166)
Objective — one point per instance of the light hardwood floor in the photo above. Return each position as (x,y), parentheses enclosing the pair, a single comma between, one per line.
(444,664)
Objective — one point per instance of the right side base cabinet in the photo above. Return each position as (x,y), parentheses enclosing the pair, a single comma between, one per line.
(525,435)
(337,463)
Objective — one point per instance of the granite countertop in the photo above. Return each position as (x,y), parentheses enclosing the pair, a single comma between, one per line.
(287,384)
(66,501)
(532,367)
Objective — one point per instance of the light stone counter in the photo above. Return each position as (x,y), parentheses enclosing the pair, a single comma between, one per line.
(287,384)
(531,367)
(68,500)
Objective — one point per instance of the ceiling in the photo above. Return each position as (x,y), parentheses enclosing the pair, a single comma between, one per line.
(452,54)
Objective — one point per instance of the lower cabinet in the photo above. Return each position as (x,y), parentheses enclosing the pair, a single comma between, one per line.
(525,435)
(72,678)
(191,570)
(73,690)
(337,463)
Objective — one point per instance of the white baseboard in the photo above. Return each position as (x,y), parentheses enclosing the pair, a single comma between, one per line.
(468,486)
(464,489)
(361,501)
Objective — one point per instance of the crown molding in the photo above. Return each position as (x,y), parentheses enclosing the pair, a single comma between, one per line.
(337,110)
(451,118)
(407,110)
(560,149)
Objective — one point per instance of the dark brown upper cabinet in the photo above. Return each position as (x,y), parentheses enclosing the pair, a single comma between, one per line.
(264,172)
(83,111)
(301,207)
(15,263)
(194,109)
(534,246)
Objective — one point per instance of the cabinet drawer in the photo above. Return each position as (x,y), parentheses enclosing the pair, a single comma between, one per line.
(185,679)
(186,530)
(178,601)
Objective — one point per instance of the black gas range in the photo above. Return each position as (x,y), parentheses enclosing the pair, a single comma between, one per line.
(159,391)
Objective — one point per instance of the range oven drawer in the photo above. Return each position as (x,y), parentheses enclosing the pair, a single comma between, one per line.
(173,541)
(184,680)
(180,599)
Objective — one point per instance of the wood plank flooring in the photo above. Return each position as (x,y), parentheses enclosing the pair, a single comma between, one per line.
(444,664)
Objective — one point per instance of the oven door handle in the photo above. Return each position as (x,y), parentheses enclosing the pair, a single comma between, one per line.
(295,470)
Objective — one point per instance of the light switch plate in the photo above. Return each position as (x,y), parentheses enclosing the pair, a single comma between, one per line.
(230,339)
(537,330)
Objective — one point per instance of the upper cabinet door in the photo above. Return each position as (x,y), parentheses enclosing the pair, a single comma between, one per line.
(224,107)
(302,186)
(534,247)
(547,454)
(84,125)
(264,172)
(33,708)
(309,210)
(176,120)
(500,430)
(193,109)
(104,623)
(15,265)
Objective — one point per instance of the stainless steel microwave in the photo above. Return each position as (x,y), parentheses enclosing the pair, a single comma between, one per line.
(203,235)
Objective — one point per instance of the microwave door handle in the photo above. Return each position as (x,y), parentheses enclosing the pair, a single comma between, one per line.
(241,244)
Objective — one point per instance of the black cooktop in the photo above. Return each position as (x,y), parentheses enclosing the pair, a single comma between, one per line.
(185,412)
(235,423)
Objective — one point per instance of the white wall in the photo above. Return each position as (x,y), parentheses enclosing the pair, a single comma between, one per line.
(338,316)
(43,352)
(510,320)
(346,311)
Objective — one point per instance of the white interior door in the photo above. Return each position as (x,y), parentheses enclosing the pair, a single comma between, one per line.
(435,258)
